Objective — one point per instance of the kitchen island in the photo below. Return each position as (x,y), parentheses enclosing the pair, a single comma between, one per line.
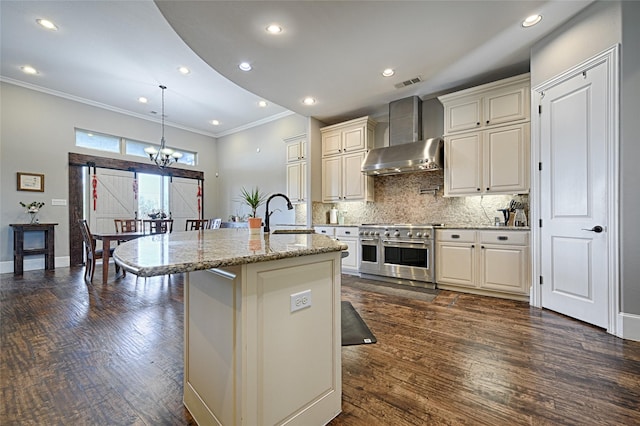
(262,322)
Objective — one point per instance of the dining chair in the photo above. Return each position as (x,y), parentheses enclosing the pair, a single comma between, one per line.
(160,226)
(196,224)
(91,252)
(128,225)
(215,223)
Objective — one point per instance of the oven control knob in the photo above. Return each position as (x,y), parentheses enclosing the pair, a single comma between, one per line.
(377,233)
(396,234)
(409,234)
(386,233)
(418,234)
(361,233)
(367,232)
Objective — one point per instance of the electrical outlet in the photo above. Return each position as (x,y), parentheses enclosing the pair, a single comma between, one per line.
(300,300)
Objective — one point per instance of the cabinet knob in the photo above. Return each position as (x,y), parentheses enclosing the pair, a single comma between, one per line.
(488,189)
(482,247)
(487,121)
(455,236)
(477,189)
(473,246)
(478,123)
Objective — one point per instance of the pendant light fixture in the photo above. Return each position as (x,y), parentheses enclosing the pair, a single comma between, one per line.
(165,156)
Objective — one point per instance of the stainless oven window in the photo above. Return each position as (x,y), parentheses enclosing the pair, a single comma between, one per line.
(405,256)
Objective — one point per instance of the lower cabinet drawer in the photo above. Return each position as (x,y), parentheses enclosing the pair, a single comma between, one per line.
(518,238)
(456,235)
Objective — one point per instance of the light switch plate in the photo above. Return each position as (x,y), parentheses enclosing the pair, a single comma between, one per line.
(300,300)
(58,202)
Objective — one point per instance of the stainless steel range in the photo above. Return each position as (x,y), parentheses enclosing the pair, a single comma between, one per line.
(400,253)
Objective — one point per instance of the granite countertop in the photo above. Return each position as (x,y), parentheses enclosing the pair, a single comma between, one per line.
(196,250)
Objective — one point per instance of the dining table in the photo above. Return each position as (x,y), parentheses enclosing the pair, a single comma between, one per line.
(106,238)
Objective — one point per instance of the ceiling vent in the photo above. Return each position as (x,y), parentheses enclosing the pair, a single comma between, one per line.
(409,82)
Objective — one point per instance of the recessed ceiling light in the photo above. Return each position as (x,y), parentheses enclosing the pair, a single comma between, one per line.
(531,20)
(45,23)
(388,72)
(184,70)
(245,66)
(28,69)
(143,100)
(215,122)
(274,29)
(262,104)
(309,100)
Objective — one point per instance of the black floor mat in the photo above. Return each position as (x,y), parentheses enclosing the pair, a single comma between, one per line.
(354,329)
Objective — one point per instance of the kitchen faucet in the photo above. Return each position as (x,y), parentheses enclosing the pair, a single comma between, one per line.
(268,215)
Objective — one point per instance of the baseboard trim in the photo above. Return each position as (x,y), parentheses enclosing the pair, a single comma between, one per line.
(34,264)
(629,326)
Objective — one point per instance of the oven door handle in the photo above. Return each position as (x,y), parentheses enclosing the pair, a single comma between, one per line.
(362,240)
(403,242)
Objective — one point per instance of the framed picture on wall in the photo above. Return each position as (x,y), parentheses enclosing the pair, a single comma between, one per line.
(30,182)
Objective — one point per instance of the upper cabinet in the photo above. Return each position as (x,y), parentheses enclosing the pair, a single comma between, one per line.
(344,146)
(487,138)
(297,168)
(501,102)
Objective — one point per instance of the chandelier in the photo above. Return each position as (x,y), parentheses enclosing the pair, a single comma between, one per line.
(164,157)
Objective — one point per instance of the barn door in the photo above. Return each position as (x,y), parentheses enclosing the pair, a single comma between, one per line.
(112,198)
(183,201)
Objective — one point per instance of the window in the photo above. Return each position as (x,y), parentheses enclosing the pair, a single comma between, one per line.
(110,143)
(99,141)
(136,148)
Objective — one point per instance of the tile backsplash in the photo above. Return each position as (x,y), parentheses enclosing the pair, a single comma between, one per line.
(398,199)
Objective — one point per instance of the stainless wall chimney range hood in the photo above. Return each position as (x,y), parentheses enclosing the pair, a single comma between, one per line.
(407,152)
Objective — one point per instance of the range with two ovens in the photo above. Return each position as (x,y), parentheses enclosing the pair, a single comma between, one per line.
(398,253)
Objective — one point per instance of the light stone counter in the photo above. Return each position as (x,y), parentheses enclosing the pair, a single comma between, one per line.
(216,248)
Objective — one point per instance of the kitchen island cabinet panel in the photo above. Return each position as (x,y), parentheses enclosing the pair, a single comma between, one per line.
(248,359)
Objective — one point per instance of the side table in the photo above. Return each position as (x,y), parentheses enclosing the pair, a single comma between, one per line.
(19,252)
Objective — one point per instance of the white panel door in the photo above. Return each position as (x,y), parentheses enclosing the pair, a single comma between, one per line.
(115,199)
(183,201)
(573,186)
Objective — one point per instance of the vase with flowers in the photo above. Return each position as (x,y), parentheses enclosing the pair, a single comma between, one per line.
(32,209)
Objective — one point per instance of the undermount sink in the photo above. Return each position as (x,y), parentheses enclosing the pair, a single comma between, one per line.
(294,231)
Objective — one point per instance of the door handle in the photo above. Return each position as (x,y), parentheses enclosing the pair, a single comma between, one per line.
(597,229)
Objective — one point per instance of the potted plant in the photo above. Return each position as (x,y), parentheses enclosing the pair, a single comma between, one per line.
(254,199)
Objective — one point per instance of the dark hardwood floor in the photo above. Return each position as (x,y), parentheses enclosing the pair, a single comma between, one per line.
(112,355)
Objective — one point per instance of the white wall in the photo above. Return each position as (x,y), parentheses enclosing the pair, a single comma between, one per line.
(629,156)
(597,28)
(256,157)
(36,135)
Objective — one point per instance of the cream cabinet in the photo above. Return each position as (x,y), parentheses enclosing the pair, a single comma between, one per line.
(297,181)
(455,257)
(296,150)
(500,102)
(489,262)
(349,236)
(344,147)
(494,161)
(487,138)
